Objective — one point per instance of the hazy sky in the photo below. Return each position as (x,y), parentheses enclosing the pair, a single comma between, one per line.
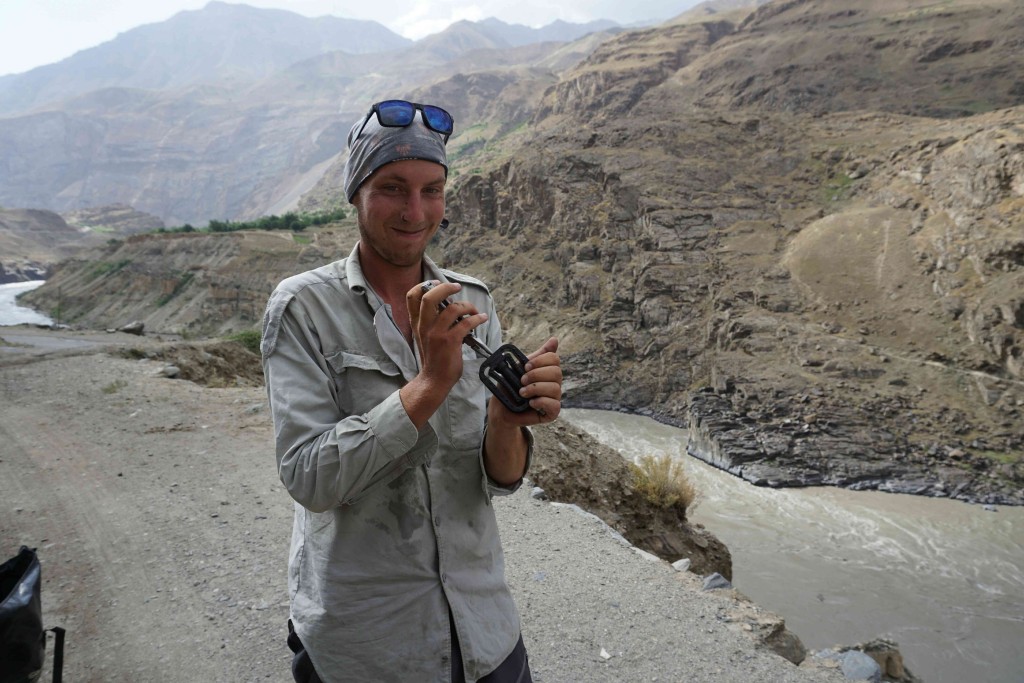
(37,32)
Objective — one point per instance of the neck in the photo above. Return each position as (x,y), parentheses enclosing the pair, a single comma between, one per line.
(389,281)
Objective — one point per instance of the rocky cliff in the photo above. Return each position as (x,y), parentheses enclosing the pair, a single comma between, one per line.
(819,297)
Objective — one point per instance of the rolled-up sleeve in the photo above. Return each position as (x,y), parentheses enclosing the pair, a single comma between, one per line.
(493,340)
(324,457)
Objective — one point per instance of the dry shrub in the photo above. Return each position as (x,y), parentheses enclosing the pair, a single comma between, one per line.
(662,481)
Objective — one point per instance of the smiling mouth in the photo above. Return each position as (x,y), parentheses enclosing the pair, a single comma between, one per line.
(409,233)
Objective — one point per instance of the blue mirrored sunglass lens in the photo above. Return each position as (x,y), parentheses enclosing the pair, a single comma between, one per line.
(395,113)
(438,118)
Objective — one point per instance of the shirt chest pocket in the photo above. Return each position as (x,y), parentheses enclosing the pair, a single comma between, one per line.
(362,382)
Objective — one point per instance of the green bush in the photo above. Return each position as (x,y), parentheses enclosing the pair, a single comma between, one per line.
(662,481)
(296,222)
(250,339)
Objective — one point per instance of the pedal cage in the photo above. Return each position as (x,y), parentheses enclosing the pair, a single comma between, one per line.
(501,374)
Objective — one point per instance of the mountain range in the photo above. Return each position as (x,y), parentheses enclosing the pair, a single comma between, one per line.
(795,229)
(225,112)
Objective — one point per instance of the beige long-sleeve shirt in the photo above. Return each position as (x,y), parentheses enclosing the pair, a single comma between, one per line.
(392,525)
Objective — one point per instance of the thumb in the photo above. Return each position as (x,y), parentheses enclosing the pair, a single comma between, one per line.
(550,346)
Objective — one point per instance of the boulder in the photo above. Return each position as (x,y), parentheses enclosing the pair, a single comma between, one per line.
(716,581)
(857,666)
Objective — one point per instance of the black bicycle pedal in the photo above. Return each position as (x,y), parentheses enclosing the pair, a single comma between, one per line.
(502,374)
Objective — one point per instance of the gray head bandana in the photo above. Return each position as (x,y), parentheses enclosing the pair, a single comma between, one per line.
(378,145)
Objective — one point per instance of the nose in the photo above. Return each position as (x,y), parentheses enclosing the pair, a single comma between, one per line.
(413,211)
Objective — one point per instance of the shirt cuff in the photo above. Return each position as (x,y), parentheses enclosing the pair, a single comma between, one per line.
(397,435)
(491,487)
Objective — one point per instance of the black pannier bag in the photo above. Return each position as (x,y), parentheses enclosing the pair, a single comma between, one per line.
(22,636)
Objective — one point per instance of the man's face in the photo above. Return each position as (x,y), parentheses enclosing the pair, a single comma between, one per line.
(399,208)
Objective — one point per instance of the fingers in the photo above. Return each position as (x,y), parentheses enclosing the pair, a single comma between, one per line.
(546,409)
(430,304)
(551,390)
(545,356)
(551,373)
(544,372)
(542,383)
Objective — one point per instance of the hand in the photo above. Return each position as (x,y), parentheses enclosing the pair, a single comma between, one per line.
(542,385)
(439,332)
(505,447)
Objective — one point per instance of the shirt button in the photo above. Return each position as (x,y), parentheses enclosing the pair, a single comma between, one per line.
(437,520)
(444,578)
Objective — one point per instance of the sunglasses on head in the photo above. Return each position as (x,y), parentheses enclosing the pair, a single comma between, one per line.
(399,114)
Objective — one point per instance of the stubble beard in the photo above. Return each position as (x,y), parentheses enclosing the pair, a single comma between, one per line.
(392,255)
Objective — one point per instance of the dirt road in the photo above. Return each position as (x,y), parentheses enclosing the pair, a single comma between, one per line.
(163,532)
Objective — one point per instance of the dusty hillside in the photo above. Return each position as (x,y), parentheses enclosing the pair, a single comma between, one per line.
(820,293)
(820,298)
(115,219)
(186,284)
(223,142)
(919,57)
(32,241)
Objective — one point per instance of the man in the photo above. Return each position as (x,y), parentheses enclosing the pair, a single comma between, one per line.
(386,438)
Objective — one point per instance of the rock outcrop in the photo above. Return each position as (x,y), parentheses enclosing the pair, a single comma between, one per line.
(572,467)
(32,241)
(834,355)
(22,271)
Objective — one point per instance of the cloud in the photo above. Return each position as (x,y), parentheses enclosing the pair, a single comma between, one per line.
(426,18)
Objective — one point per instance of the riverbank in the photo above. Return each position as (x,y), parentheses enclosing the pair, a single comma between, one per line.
(723,437)
(943,578)
(163,533)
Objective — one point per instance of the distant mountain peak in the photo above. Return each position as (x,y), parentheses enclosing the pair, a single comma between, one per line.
(226,41)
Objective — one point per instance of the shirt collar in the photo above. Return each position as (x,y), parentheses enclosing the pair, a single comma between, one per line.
(357,280)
